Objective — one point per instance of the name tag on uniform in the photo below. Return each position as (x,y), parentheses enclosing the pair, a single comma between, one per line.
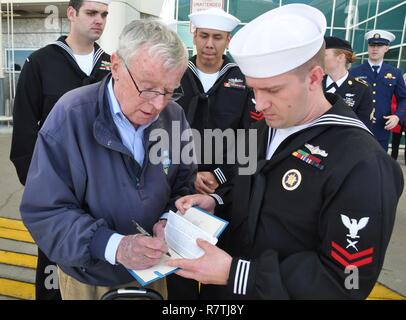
(235,83)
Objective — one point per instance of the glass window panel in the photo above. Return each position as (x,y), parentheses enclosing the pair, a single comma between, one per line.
(387,4)
(185,35)
(392,57)
(392,21)
(366,9)
(20,56)
(360,44)
(323,5)
(247,10)
(403,60)
(184,10)
(339,33)
(341,13)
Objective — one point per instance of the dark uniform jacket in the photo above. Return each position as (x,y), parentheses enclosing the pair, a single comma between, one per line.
(388,83)
(358,96)
(326,200)
(227,105)
(47,74)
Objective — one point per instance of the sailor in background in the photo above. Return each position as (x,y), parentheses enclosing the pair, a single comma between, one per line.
(215,93)
(215,97)
(385,81)
(355,91)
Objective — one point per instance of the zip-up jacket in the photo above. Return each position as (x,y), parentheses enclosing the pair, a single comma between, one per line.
(84,184)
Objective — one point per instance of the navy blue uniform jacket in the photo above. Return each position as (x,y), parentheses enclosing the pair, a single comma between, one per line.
(388,83)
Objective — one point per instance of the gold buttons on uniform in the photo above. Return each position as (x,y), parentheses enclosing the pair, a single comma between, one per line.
(373,92)
(374,84)
(374,101)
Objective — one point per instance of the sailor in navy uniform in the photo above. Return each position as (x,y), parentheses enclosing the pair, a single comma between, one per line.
(217,98)
(215,93)
(315,204)
(354,91)
(385,81)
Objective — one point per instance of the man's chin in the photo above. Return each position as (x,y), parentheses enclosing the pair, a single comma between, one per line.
(95,36)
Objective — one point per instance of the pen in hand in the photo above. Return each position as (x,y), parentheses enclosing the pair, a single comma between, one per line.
(142,231)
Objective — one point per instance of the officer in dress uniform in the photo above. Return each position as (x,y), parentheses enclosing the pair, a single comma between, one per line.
(355,91)
(315,211)
(385,81)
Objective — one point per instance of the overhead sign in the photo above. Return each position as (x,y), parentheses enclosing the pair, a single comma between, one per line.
(200,5)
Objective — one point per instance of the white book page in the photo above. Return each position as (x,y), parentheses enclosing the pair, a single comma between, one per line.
(181,233)
(181,236)
(205,221)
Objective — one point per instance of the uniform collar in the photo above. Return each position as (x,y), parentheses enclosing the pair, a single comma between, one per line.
(227,64)
(374,64)
(61,42)
(339,82)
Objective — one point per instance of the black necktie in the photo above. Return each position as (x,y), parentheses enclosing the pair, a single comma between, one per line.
(375,69)
(332,85)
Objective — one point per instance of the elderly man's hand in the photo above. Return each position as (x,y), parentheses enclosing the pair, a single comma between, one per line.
(212,268)
(392,122)
(140,252)
(202,201)
(205,182)
(159,229)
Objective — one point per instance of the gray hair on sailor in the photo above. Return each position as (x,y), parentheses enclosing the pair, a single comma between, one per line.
(160,40)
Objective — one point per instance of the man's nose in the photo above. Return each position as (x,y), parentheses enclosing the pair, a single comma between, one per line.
(98,19)
(159,102)
(261,103)
(209,42)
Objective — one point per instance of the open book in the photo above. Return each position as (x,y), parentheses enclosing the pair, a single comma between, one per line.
(181,232)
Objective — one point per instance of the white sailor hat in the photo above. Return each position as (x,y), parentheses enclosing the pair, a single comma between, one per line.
(279,40)
(379,37)
(214,18)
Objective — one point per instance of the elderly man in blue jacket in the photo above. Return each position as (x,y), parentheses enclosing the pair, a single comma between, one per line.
(92,173)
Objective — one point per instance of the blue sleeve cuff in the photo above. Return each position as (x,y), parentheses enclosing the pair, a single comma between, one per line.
(99,242)
(111,248)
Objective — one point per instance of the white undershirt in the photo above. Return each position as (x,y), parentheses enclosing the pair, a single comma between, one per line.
(85,62)
(279,136)
(339,82)
(207,79)
(375,64)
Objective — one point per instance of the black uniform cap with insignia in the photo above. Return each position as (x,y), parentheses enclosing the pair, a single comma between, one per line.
(337,43)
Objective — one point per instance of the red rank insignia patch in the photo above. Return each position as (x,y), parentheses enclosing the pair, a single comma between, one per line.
(345,258)
(257,116)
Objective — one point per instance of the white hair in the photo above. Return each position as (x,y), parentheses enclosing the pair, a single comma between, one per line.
(160,40)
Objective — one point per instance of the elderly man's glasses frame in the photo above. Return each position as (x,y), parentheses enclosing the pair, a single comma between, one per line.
(152,94)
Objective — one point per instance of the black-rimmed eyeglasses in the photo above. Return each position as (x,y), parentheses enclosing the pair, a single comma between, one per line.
(152,94)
